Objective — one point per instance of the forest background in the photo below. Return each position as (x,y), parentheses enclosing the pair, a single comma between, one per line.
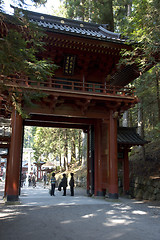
(139,23)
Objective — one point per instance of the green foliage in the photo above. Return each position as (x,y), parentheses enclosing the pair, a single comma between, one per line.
(47,141)
(50,143)
(90,11)
(29,134)
(19,57)
(39,1)
(121,9)
(19,52)
(141,26)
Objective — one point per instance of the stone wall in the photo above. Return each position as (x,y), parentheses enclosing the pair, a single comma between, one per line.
(145,189)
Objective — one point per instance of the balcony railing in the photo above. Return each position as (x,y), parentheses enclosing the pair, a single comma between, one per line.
(66,85)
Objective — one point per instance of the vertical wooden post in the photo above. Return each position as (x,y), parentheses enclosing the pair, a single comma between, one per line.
(91,162)
(98,175)
(40,172)
(37,170)
(126,172)
(14,163)
(6,184)
(104,161)
(113,162)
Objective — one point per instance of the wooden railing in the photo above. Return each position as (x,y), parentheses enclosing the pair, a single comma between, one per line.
(56,84)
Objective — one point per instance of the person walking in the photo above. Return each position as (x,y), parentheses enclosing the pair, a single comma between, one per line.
(53,184)
(44,180)
(33,181)
(29,180)
(64,184)
(71,183)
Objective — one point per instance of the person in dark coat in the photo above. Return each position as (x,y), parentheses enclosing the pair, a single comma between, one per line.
(33,181)
(29,180)
(71,183)
(53,184)
(64,184)
(44,180)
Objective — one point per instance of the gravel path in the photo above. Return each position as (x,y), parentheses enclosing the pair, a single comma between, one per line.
(40,216)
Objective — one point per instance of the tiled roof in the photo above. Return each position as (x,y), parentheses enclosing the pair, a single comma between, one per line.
(72,27)
(125,75)
(129,136)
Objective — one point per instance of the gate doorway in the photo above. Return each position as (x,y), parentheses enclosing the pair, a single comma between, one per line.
(58,150)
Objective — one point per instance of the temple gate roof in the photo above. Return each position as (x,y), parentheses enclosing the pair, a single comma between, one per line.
(129,136)
(72,27)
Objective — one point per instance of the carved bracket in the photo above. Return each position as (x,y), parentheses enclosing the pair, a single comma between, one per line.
(83,105)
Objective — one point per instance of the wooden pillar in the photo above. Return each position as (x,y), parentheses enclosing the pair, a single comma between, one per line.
(113,162)
(14,162)
(98,175)
(6,177)
(88,167)
(104,143)
(40,172)
(91,163)
(126,172)
(37,170)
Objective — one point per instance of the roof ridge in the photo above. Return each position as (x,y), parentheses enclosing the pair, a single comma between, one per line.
(70,26)
(57,17)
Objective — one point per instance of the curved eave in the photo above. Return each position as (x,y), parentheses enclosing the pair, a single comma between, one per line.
(87,36)
(71,27)
(129,136)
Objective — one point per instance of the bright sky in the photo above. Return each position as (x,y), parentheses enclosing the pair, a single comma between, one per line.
(47,9)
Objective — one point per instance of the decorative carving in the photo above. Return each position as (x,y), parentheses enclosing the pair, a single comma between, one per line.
(83,105)
(115,115)
(50,101)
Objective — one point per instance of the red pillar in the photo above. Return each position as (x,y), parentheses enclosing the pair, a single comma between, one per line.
(97,171)
(6,176)
(37,170)
(113,162)
(126,172)
(14,162)
(40,172)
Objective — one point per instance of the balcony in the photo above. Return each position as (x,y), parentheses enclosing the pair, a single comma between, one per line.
(69,86)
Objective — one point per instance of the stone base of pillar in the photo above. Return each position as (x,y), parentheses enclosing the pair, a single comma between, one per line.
(12,198)
(113,195)
(126,192)
(100,193)
(89,193)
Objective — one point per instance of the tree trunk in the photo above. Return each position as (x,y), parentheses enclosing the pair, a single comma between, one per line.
(84,147)
(141,126)
(128,8)
(130,119)
(80,147)
(125,119)
(73,148)
(64,164)
(107,14)
(158,95)
(66,148)
(60,161)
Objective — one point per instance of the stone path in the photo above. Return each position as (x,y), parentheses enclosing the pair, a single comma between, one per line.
(40,216)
